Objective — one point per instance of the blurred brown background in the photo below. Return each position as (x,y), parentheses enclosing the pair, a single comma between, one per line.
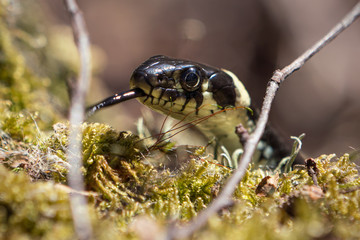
(250,38)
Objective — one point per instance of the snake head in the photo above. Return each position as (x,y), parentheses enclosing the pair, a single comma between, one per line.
(182,86)
(172,81)
(191,92)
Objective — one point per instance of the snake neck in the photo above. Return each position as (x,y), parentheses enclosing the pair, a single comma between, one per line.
(222,127)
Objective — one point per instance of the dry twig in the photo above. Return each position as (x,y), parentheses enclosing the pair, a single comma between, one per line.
(250,146)
(74,152)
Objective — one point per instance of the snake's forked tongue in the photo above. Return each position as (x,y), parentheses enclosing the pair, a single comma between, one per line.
(117,98)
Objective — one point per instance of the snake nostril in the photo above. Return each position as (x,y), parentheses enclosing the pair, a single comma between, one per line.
(162,80)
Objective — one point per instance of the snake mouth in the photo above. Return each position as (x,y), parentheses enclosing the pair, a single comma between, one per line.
(163,93)
(171,99)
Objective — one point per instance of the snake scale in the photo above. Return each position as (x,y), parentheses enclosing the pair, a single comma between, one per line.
(190,91)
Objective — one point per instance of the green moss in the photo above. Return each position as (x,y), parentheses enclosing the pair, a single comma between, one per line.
(128,186)
(32,210)
(297,210)
(114,168)
(41,210)
(25,100)
(19,84)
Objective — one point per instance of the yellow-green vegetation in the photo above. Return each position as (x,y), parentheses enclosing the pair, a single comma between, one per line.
(134,193)
(22,84)
(124,190)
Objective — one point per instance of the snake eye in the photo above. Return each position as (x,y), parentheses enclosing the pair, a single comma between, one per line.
(190,79)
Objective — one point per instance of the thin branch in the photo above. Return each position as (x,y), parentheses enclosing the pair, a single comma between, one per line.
(78,202)
(242,133)
(279,76)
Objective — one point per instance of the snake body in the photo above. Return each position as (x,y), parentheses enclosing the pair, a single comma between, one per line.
(190,91)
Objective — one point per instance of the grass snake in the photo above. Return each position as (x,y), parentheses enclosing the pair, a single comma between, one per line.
(191,91)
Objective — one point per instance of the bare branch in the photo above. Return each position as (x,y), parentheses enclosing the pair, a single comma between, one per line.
(279,76)
(242,133)
(78,202)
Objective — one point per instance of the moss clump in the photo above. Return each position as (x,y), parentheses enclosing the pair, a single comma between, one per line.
(297,209)
(31,211)
(21,126)
(129,184)
(26,102)
(294,209)
(127,188)
(41,210)
(19,83)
